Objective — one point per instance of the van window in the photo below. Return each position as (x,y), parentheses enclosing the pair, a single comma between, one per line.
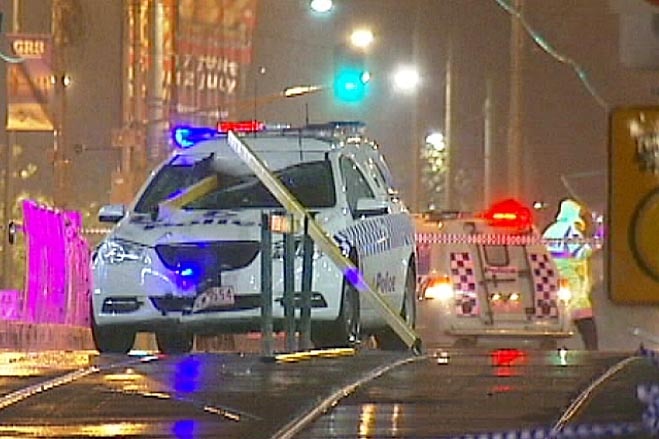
(496,255)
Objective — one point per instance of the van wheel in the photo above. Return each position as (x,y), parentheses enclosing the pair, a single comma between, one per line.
(174,342)
(345,331)
(112,340)
(387,339)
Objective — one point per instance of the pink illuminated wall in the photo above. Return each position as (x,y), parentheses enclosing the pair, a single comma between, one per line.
(57,271)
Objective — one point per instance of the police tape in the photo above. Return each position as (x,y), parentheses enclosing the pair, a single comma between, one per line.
(500,239)
(569,432)
(648,425)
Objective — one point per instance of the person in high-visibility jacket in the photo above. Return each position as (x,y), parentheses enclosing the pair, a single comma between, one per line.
(566,242)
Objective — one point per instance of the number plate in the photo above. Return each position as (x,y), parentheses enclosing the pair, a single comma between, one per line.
(214,297)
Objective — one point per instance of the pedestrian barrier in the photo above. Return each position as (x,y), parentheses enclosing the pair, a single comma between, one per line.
(52,311)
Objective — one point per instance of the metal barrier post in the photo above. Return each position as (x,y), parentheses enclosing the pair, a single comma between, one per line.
(289,286)
(267,342)
(307,276)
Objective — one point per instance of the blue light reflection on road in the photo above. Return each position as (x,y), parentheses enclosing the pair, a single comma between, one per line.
(184,429)
(186,375)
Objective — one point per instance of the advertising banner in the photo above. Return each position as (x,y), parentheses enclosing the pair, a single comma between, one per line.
(213,47)
(29,87)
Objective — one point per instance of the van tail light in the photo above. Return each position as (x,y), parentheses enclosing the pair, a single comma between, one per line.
(564,292)
(439,288)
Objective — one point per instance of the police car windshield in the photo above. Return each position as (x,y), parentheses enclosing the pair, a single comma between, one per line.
(310,182)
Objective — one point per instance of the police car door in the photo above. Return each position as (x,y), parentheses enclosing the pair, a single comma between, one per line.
(368,232)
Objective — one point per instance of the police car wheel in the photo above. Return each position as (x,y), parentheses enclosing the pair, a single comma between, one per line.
(386,338)
(345,330)
(174,342)
(112,339)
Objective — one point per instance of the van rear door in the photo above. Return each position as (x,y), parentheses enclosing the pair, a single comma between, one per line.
(507,284)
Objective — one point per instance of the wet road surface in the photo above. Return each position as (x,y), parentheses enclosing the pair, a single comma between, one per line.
(370,394)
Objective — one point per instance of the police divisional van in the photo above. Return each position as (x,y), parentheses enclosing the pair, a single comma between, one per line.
(184,257)
(488,276)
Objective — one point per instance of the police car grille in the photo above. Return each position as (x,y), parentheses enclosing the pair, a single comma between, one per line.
(208,255)
(172,303)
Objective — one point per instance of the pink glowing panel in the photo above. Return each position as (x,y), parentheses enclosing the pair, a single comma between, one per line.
(10,305)
(57,275)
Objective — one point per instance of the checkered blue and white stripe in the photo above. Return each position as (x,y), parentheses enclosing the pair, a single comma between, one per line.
(463,279)
(545,282)
(377,235)
(648,394)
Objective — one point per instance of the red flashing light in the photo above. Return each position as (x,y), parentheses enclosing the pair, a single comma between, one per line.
(243,126)
(509,213)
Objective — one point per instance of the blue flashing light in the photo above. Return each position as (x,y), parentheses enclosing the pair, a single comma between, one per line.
(185,429)
(187,272)
(186,136)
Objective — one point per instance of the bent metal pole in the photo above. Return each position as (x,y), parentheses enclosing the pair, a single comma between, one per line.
(324,241)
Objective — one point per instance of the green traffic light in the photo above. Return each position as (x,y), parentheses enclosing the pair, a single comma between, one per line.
(350,85)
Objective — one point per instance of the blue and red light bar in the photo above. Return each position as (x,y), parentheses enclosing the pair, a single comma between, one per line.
(242,126)
(188,136)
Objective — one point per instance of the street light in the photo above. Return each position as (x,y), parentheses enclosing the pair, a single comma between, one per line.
(321,6)
(362,38)
(436,140)
(406,79)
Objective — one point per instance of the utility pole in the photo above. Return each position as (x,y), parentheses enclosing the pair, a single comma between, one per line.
(156,85)
(448,132)
(514,121)
(61,161)
(8,157)
(417,187)
(487,144)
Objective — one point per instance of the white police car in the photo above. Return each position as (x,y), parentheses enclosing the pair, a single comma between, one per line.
(179,264)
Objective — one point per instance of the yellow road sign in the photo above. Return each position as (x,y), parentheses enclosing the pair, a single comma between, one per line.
(633,241)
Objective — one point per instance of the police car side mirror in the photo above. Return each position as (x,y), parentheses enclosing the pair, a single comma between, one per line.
(371,207)
(111,213)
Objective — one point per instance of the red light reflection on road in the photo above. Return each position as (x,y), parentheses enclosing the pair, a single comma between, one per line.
(507,361)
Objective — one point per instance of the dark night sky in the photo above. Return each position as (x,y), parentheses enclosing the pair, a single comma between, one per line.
(564,130)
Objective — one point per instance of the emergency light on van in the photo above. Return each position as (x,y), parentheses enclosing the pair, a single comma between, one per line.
(438,287)
(564,292)
(509,213)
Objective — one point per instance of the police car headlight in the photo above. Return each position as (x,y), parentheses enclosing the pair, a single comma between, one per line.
(117,251)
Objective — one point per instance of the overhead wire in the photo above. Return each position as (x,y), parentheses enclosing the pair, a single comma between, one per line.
(11,59)
(544,45)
